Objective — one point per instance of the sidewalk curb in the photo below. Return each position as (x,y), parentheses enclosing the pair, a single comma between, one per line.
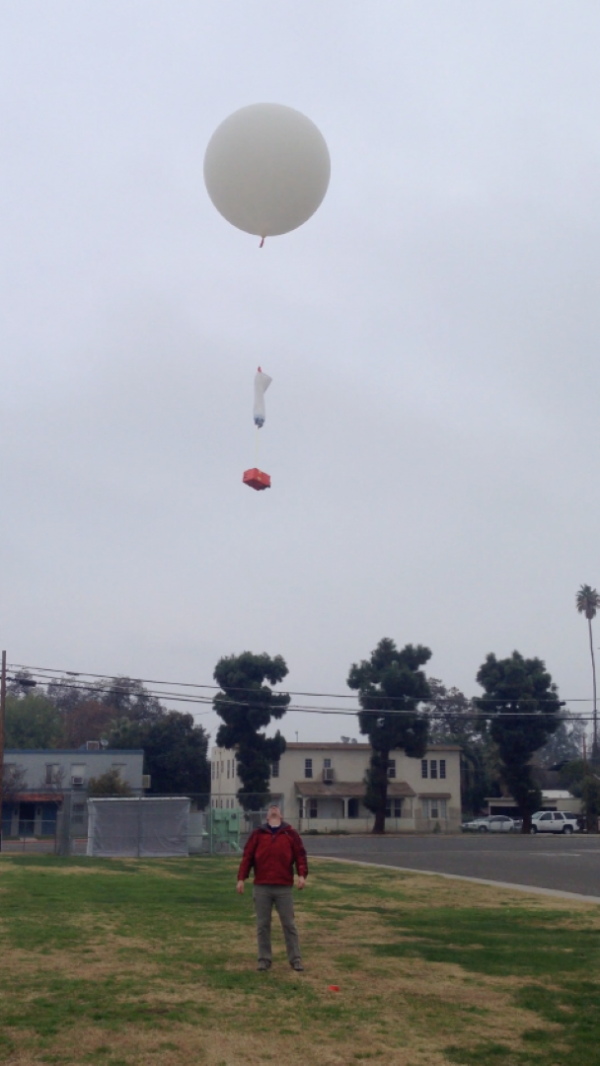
(460,877)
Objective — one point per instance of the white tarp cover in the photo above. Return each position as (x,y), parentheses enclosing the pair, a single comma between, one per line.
(261,384)
(149,826)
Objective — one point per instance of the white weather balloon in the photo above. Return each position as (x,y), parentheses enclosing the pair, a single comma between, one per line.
(267,169)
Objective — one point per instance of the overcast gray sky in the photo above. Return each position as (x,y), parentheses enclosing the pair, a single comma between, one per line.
(432,333)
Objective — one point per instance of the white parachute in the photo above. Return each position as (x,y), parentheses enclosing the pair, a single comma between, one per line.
(261,384)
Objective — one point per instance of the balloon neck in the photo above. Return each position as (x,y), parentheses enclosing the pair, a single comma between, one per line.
(262,241)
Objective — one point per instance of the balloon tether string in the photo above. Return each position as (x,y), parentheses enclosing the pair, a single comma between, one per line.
(256,453)
(262,241)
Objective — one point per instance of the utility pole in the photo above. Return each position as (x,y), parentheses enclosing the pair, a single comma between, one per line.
(2,719)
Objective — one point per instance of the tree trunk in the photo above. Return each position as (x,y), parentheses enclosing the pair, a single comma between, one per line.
(379,823)
(595,752)
(377,785)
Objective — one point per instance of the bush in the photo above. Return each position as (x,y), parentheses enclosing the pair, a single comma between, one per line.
(108,784)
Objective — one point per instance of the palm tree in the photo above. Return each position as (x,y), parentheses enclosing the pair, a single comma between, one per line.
(588,602)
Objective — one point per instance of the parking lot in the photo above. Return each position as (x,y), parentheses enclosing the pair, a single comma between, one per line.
(555,863)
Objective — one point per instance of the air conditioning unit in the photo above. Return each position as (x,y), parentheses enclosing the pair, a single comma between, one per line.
(77,782)
(328,775)
(146,780)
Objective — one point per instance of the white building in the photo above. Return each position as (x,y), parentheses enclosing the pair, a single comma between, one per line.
(321,786)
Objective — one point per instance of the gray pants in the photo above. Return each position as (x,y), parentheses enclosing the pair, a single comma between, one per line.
(280,896)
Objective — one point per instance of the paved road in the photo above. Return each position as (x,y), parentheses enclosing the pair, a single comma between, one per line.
(555,863)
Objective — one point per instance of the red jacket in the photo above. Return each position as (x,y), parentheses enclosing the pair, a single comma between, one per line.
(273,856)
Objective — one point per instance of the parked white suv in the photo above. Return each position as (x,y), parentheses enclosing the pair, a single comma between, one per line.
(553,822)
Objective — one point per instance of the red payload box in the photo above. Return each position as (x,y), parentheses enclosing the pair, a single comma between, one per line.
(257,479)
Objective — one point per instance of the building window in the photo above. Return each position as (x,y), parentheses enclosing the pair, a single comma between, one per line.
(52,773)
(393,808)
(308,767)
(78,813)
(327,764)
(391,767)
(442,767)
(433,768)
(312,808)
(423,767)
(275,769)
(433,808)
(77,773)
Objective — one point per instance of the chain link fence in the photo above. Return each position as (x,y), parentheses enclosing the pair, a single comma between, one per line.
(138,825)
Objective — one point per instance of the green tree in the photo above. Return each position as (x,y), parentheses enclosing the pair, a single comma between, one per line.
(587,602)
(591,802)
(390,686)
(247,706)
(31,721)
(521,703)
(583,782)
(175,752)
(122,696)
(564,745)
(453,719)
(108,784)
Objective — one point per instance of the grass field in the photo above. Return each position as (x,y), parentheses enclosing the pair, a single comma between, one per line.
(119,963)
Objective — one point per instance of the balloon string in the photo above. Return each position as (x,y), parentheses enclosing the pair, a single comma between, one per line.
(256,453)
(261,242)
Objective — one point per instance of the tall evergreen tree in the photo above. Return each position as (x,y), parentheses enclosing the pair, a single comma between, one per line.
(390,686)
(521,703)
(247,706)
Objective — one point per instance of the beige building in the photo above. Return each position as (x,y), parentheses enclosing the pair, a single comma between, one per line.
(320,786)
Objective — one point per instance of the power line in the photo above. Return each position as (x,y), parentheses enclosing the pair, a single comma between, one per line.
(54,677)
(49,672)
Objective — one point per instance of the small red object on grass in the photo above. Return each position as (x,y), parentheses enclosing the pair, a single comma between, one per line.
(333,988)
(257,479)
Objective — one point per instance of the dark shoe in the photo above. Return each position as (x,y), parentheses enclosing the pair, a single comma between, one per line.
(297,965)
(262,966)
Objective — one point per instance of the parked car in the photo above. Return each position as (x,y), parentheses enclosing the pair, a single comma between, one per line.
(493,823)
(554,822)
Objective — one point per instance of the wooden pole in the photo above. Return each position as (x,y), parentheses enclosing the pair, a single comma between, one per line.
(2,719)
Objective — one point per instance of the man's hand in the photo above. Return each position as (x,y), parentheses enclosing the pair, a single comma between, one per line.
(301,882)
(240,887)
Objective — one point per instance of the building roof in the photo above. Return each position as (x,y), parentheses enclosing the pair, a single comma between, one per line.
(51,752)
(323,745)
(33,797)
(348,789)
